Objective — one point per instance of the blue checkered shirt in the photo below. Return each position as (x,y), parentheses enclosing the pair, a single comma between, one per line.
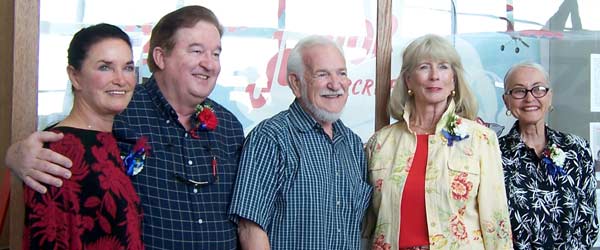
(178,215)
(306,190)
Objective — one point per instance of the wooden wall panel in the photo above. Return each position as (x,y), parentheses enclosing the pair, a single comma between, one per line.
(19,67)
(383,62)
(6,46)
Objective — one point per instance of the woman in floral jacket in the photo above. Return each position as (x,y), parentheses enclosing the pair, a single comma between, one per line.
(549,175)
(437,175)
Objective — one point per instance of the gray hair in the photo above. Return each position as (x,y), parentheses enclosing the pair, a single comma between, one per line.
(526,64)
(295,62)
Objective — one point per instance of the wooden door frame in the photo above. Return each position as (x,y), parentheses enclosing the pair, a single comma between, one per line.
(383,63)
(19,40)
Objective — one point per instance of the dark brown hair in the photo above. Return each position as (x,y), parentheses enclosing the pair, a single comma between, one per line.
(164,31)
(85,38)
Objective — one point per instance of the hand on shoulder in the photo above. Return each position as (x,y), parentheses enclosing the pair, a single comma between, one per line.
(34,164)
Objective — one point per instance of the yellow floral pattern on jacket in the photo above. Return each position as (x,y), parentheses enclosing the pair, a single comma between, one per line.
(464,187)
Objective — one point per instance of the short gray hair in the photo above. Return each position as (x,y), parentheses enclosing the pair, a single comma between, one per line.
(526,64)
(295,63)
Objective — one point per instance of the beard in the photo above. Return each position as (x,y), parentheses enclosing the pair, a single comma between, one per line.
(317,113)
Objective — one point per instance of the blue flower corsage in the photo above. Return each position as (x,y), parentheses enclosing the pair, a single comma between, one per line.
(134,161)
(455,130)
(554,158)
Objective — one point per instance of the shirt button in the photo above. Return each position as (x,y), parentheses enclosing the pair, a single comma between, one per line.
(200,221)
(337,173)
(168,121)
(339,230)
(190,162)
(337,203)
(195,190)
(185,135)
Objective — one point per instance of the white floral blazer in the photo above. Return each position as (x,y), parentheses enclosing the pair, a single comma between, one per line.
(464,189)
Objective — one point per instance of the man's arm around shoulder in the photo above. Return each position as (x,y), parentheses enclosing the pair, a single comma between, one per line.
(34,164)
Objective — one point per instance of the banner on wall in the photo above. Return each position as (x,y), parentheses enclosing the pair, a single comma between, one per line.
(595,140)
(594,82)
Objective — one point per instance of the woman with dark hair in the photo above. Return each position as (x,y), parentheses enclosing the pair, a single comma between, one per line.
(549,175)
(436,173)
(97,208)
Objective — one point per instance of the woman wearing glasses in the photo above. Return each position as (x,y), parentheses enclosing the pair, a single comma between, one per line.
(549,175)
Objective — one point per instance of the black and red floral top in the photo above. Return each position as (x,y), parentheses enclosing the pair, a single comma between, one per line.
(97,208)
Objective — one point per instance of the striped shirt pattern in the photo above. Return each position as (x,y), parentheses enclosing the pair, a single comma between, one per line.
(306,190)
(178,215)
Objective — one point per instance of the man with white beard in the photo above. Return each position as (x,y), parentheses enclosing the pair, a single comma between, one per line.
(301,182)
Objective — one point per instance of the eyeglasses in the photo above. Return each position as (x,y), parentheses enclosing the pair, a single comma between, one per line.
(198,184)
(520,93)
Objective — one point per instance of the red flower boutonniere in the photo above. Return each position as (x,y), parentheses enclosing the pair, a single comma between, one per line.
(204,119)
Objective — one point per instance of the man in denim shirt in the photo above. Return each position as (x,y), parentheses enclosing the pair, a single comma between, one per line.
(302,177)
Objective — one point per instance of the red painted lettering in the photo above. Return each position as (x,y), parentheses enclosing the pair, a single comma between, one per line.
(358,82)
(367,88)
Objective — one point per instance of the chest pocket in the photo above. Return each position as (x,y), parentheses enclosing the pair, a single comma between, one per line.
(463,178)
(464,165)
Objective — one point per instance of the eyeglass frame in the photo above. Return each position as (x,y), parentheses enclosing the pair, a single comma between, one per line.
(510,92)
(194,183)
(197,184)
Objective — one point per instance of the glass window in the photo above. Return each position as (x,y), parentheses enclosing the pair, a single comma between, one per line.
(252,82)
(490,36)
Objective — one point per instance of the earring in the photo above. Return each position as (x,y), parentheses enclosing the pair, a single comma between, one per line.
(410,92)
(551,108)
(508,113)
(453,93)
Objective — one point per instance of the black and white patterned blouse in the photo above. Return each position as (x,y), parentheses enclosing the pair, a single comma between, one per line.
(550,211)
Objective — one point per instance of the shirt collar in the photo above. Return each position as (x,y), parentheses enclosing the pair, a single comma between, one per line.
(441,123)
(514,136)
(552,136)
(161,102)
(159,99)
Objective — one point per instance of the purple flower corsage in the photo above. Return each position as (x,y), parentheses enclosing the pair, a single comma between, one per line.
(134,161)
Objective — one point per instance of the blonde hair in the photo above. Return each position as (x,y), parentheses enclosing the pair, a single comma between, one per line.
(437,48)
